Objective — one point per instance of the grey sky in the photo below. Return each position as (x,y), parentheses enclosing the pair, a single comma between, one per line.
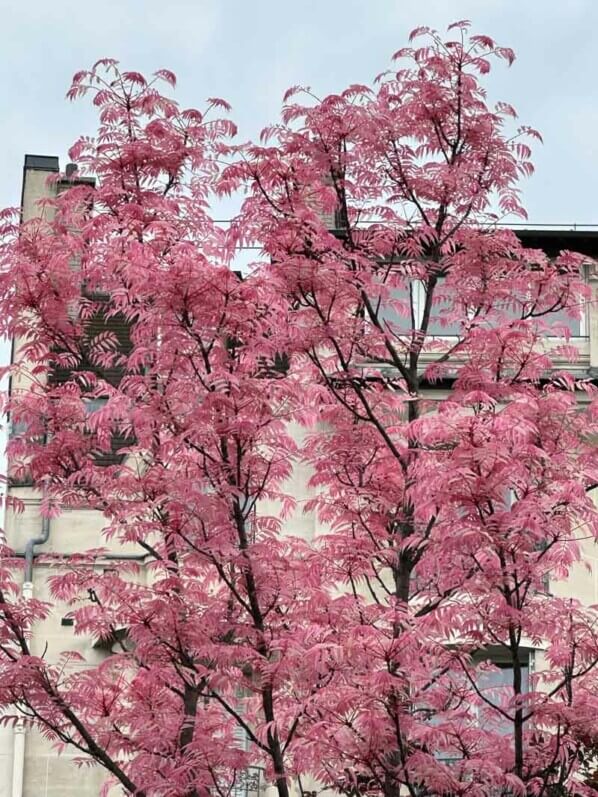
(250,52)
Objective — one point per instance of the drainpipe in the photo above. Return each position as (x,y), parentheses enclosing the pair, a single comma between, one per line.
(18,759)
(18,754)
(29,552)
(18,740)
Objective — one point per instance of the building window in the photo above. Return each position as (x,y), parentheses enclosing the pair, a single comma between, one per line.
(412,300)
(496,686)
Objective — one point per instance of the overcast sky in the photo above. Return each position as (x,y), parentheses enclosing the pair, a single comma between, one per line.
(250,51)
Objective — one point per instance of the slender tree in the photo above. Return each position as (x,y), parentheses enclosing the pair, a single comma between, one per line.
(154,397)
(453,465)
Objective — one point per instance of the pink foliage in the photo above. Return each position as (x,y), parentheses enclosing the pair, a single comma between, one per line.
(452,469)
(451,473)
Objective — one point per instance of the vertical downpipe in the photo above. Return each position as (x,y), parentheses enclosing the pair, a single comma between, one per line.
(18,759)
(18,756)
(18,749)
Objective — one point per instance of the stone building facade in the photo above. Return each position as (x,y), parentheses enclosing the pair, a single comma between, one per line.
(29,766)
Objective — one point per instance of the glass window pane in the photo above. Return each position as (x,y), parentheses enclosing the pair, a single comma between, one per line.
(396,312)
(562,319)
(442,307)
(497,687)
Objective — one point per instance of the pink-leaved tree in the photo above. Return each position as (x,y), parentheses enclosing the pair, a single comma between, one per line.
(153,395)
(452,464)
(453,461)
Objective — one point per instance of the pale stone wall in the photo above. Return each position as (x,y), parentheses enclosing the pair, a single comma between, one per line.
(45,772)
(51,775)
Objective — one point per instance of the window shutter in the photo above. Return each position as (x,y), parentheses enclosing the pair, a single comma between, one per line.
(101,322)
